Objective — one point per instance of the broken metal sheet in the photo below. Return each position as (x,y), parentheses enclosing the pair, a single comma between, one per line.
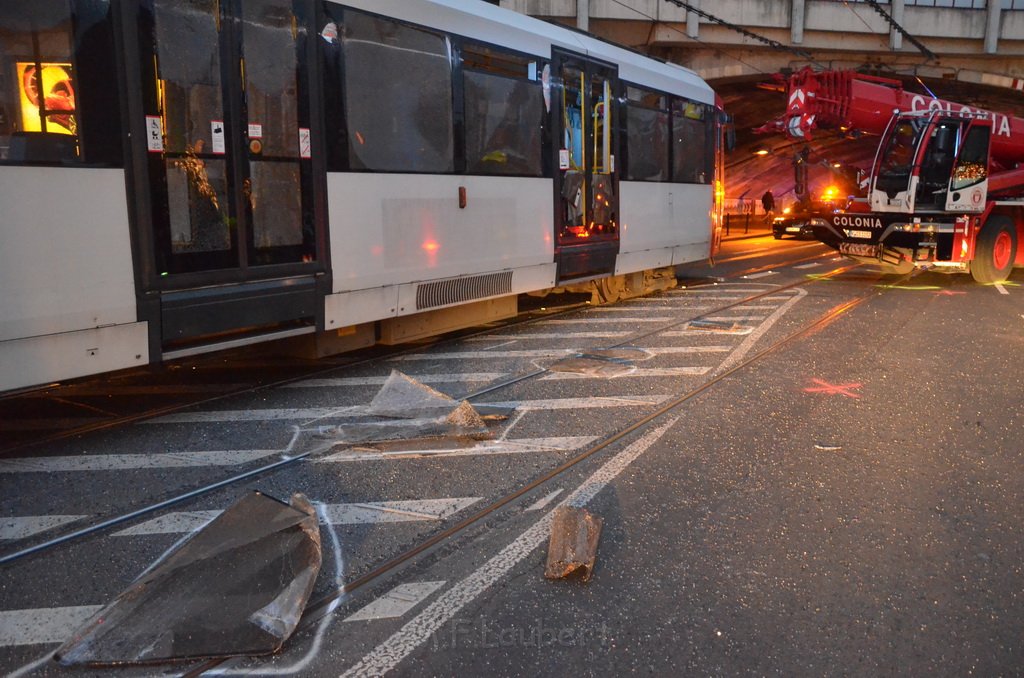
(612,362)
(593,367)
(236,587)
(405,409)
(573,543)
(719,326)
(403,397)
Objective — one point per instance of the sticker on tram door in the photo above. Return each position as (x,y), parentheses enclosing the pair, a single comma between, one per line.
(154,134)
(217,134)
(305,144)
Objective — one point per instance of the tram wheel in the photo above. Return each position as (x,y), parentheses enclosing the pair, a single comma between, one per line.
(995,250)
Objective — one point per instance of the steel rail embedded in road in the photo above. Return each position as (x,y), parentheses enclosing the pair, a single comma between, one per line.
(327,604)
(278,465)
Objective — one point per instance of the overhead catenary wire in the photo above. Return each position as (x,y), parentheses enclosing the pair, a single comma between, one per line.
(902,31)
(855,13)
(654,21)
(774,44)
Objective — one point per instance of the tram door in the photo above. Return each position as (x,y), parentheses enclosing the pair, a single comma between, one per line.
(586,184)
(226,215)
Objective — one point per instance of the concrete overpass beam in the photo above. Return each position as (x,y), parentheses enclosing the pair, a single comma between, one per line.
(796,21)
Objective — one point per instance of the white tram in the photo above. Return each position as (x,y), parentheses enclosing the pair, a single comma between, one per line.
(182,176)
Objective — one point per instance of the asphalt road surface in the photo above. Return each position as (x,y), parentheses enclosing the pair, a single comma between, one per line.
(802,467)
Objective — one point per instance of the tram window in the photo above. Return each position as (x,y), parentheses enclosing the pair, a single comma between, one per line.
(504,113)
(58,83)
(646,136)
(398,96)
(691,148)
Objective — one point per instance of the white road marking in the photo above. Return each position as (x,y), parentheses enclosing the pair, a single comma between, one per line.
(543,501)
(610,334)
(754,336)
(259,415)
(112,462)
(488,355)
(672,350)
(378,381)
(637,372)
(598,321)
(19,527)
(693,331)
(813,264)
(42,625)
(397,602)
(762,274)
(1002,290)
(555,352)
(634,307)
(724,295)
(516,446)
(748,288)
(721,318)
(335,514)
(419,629)
(579,403)
(59,423)
(315,413)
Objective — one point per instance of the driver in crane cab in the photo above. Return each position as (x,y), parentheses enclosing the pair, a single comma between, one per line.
(901,153)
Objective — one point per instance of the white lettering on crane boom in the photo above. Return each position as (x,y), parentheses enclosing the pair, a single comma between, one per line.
(1000,122)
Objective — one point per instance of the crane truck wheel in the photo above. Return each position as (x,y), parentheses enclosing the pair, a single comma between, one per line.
(995,250)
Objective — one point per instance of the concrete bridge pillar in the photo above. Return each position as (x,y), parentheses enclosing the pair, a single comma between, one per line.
(798,12)
(992,27)
(583,15)
(693,21)
(895,37)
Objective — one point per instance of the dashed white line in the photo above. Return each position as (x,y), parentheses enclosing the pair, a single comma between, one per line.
(617,321)
(543,501)
(334,514)
(397,602)
(638,372)
(1002,290)
(754,336)
(378,381)
(812,264)
(763,274)
(610,334)
(418,630)
(321,413)
(483,448)
(20,527)
(42,625)
(115,462)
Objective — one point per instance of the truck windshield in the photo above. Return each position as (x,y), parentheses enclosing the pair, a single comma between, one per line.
(896,162)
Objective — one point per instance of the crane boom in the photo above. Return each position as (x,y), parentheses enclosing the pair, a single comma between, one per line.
(853,102)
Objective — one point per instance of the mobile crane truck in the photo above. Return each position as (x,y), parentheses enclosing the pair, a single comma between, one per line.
(945,190)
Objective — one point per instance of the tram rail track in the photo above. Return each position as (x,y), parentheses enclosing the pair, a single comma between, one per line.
(117,420)
(516,379)
(325,605)
(328,603)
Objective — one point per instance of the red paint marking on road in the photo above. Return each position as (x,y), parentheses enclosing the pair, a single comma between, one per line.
(833,389)
(949,293)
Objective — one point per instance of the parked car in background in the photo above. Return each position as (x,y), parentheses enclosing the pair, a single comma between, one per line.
(799,219)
